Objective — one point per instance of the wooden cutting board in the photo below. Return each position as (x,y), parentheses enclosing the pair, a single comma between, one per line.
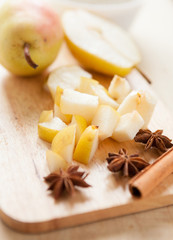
(25,204)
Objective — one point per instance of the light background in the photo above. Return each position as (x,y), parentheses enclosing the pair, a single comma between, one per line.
(153,31)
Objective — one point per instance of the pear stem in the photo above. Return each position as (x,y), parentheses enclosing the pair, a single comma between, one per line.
(28,57)
(144,75)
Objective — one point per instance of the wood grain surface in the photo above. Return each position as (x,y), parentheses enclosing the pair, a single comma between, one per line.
(25,204)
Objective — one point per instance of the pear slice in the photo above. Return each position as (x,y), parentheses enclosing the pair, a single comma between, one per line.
(73,102)
(57,112)
(48,130)
(87,145)
(55,161)
(46,116)
(106,118)
(92,87)
(81,125)
(104,98)
(85,85)
(128,125)
(141,101)
(65,77)
(63,143)
(64,117)
(99,44)
(119,88)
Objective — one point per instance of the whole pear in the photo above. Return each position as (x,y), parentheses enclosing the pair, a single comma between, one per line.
(30,37)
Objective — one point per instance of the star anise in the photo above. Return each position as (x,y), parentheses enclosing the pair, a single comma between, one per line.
(129,164)
(66,180)
(153,139)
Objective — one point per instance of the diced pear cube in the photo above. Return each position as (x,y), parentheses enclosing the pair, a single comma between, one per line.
(119,88)
(55,161)
(106,118)
(128,125)
(64,142)
(85,85)
(104,98)
(46,116)
(87,145)
(141,101)
(64,117)
(65,77)
(93,87)
(57,112)
(48,130)
(81,125)
(73,102)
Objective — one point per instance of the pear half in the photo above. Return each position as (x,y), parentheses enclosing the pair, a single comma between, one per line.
(99,44)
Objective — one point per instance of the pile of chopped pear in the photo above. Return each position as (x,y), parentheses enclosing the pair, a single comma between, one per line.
(85,113)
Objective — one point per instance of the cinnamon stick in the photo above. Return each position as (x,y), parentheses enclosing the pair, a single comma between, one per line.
(145,181)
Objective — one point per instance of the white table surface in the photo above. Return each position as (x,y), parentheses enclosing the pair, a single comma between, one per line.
(153,31)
